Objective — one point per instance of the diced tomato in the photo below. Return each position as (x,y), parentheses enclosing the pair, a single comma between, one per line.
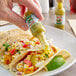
(54,49)
(22,41)
(26,55)
(39,58)
(27,62)
(35,68)
(25,45)
(38,42)
(12,52)
(8,62)
(29,52)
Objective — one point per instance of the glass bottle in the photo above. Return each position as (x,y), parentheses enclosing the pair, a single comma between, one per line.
(37,29)
(59,15)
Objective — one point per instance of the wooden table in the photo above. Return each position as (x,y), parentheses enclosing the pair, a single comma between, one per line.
(49,20)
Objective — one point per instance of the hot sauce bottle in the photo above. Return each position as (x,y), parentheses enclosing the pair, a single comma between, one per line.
(60,15)
(37,29)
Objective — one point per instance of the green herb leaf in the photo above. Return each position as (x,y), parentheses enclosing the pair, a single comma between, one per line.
(46,55)
(19,52)
(3,44)
(23,63)
(6,45)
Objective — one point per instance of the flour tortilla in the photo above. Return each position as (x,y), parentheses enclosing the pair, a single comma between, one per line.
(60,52)
(11,36)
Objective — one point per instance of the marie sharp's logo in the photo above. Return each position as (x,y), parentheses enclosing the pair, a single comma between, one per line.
(59,19)
(30,20)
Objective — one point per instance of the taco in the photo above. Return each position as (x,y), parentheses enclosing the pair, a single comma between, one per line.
(13,35)
(33,61)
(13,43)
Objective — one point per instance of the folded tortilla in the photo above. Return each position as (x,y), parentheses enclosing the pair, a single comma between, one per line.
(13,35)
(64,53)
(10,37)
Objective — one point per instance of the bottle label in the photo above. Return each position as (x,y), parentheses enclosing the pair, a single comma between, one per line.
(60,19)
(31,19)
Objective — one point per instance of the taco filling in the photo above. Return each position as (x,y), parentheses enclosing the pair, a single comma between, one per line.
(16,48)
(32,61)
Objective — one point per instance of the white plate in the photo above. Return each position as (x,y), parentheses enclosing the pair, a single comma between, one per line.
(61,39)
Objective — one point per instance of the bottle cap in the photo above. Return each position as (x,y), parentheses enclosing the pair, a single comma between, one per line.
(59,0)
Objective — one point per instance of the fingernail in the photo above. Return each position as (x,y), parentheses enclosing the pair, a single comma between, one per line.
(25,27)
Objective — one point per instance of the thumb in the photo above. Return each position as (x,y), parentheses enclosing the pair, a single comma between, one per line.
(16,19)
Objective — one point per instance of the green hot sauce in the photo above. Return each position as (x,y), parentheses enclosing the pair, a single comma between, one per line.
(37,29)
(59,15)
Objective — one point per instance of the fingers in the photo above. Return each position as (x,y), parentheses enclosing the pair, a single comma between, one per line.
(23,8)
(37,2)
(35,9)
(32,6)
(15,19)
(10,4)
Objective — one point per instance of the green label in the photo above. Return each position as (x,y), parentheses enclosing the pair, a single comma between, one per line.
(60,19)
(31,19)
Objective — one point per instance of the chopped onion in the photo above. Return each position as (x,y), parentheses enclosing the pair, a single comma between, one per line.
(19,73)
(39,64)
(31,46)
(6,52)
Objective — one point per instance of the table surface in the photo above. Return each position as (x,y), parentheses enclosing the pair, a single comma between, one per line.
(49,20)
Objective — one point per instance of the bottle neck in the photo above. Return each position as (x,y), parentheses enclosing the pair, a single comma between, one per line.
(41,36)
(59,5)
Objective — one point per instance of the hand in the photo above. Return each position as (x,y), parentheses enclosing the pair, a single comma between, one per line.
(7,14)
